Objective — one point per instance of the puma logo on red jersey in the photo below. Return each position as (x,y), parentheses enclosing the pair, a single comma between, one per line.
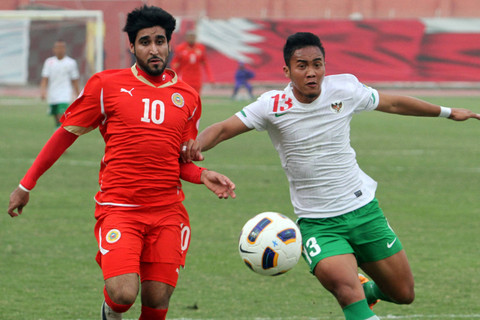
(127,91)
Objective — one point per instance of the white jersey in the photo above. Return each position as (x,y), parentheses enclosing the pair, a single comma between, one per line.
(60,74)
(313,142)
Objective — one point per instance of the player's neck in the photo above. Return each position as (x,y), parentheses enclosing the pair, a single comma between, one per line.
(156,80)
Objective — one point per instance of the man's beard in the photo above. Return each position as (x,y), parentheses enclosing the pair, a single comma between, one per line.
(158,70)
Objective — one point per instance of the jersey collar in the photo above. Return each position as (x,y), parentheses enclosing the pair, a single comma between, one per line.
(167,78)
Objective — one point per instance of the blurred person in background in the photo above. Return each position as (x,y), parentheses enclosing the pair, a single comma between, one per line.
(190,60)
(59,84)
(242,77)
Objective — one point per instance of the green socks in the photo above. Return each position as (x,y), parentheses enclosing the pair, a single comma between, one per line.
(373,293)
(359,311)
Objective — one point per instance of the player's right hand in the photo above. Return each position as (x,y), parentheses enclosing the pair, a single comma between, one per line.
(191,151)
(18,199)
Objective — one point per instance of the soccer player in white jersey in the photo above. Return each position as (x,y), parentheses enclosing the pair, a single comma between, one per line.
(342,226)
(59,81)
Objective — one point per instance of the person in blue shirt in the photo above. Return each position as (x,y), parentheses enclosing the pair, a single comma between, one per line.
(242,76)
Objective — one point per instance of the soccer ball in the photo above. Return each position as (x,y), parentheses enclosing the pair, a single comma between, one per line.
(270,244)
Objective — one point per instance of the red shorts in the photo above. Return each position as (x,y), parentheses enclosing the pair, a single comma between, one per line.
(150,241)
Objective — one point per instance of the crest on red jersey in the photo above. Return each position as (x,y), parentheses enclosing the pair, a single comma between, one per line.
(178,100)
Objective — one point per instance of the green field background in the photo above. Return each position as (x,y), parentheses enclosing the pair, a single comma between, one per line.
(429,185)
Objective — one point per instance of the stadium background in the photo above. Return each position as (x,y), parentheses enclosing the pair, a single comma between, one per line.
(419,44)
(428,172)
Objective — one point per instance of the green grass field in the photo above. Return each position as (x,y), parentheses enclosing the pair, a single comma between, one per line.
(429,182)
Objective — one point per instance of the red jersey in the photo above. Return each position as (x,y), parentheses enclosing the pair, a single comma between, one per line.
(143,124)
(188,61)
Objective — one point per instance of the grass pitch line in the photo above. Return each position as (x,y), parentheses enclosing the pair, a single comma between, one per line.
(413,316)
(433,316)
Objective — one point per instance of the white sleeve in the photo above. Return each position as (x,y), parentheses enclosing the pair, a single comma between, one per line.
(366,97)
(74,74)
(254,116)
(45,69)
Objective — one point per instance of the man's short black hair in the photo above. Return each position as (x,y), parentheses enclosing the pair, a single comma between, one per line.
(147,17)
(300,40)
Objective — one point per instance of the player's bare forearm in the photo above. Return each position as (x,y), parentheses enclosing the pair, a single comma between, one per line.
(411,106)
(407,106)
(191,150)
(43,88)
(210,137)
(221,131)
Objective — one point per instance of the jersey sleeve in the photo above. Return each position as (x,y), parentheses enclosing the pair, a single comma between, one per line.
(45,70)
(74,74)
(193,123)
(254,116)
(86,111)
(366,97)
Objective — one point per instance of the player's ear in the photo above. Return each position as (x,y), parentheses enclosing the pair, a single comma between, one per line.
(286,71)
(132,48)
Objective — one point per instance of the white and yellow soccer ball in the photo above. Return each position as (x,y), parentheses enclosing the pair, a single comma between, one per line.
(270,244)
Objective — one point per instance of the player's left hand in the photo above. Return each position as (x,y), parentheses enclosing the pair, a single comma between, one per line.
(219,184)
(459,114)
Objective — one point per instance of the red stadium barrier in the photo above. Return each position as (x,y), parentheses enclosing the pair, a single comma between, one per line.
(373,50)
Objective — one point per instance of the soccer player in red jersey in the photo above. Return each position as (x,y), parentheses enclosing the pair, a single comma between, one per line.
(144,113)
(189,59)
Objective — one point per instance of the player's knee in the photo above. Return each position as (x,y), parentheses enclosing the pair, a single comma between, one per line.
(405,296)
(123,295)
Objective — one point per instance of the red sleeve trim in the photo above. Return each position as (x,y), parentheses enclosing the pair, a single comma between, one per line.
(191,172)
(53,149)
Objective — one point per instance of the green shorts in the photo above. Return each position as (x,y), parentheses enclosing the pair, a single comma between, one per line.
(364,232)
(58,108)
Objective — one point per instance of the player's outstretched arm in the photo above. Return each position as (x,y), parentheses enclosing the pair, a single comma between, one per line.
(53,149)
(210,137)
(18,199)
(219,184)
(221,131)
(410,106)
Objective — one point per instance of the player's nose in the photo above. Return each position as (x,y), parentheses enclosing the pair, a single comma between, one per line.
(153,49)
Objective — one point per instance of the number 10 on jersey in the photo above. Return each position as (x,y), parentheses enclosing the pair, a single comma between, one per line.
(153,112)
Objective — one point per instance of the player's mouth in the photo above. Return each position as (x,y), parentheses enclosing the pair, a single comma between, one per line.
(312,84)
(155,60)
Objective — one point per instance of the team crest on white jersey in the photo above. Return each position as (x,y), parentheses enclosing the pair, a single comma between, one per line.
(113,236)
(337,107)
(178,100)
